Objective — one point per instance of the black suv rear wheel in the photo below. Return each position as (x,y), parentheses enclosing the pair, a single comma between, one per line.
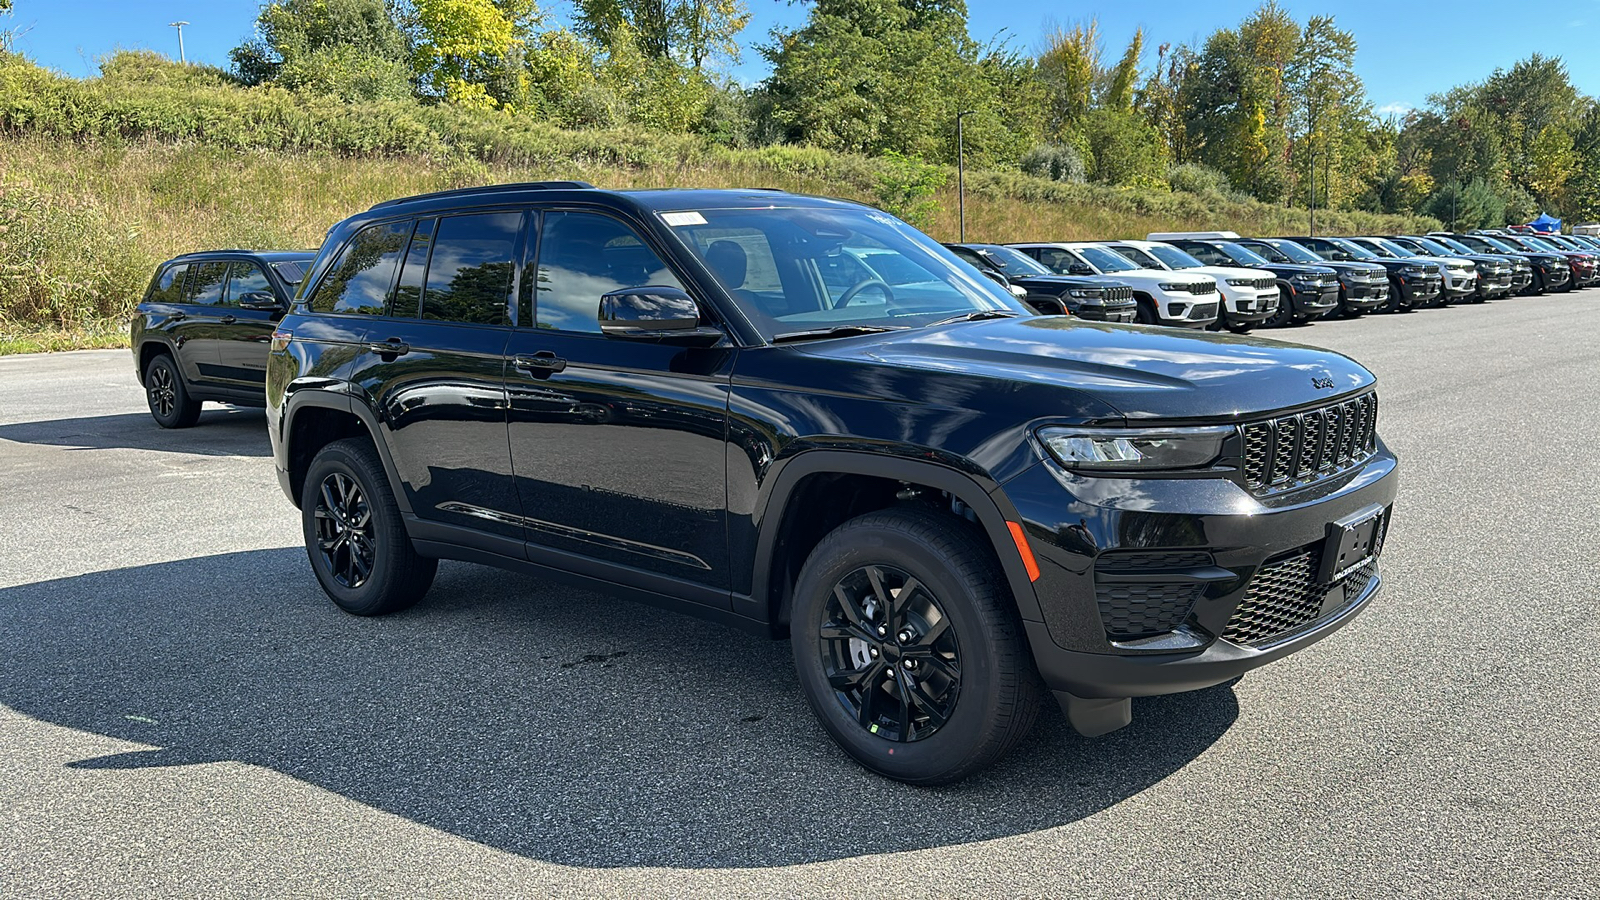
(357,542)
(170,403)
(909,648)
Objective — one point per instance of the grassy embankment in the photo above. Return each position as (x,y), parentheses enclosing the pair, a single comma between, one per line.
(100,180)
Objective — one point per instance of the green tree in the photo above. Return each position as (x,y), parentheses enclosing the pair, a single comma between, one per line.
(689,32)
(350,48)
(469,52)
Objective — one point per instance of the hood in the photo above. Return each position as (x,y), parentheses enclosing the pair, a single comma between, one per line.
(1062,282)
(1357,266)
(1142,372)
(1220,272)
(1302,269)
(1181,276)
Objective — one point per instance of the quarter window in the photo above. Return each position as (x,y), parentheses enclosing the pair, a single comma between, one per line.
(169,284)
(205,287)
(358,282)
(583,256)
(471,269)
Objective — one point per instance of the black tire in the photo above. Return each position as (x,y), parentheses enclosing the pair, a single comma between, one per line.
(1146,314)
(1536,287)
(1241,329)
(995,697)
(1284,315)
(1346,310)
(341,530)
(167,394)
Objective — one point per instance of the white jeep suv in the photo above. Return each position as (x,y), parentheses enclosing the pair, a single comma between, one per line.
(1249,296)
(1184,299)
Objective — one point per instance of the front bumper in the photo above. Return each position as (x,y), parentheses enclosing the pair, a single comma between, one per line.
(1125,313)
(1364,296)
(1311,302)
(1073,522)
(1185,310)
(1248,306)
(1415,290)
(1460,287)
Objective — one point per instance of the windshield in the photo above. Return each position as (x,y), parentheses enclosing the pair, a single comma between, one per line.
(1540,244)
(1175,258)
(815,268)
(292,271)
(1359,251)
(1390,247)
(1242,255)
(1499,245)
(1139,257)
(1014,262)
(1433,246)
(1106,260)
(1452,243)
(1296,252)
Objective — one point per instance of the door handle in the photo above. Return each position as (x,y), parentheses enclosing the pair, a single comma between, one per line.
(540,364)
(228,320)
(390,348)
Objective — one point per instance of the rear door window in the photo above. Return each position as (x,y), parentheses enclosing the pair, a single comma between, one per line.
(471,268)
(205,287)
(358,281)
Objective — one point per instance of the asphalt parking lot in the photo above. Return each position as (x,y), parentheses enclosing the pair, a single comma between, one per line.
(183,713)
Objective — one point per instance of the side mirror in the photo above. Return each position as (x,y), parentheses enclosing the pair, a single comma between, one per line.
(263,300)
(997,277)
(1079,269)
(655,312)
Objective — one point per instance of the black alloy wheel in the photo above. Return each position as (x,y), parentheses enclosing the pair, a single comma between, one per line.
(344,536)
(909,647)
(168,397)
(890,653)
(355,538)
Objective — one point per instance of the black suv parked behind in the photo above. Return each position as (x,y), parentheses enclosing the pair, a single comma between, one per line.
(708,400)
(1308,291)
(1087,297)
(201,331)
(1412,282)
(1363,286)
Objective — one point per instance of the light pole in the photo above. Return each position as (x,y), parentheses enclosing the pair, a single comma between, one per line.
(179,25)
(961,172)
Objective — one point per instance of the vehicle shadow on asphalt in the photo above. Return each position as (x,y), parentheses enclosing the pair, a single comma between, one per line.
(546,721)
(223,431)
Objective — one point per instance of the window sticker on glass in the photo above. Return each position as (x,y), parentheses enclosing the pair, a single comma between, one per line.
(676,219)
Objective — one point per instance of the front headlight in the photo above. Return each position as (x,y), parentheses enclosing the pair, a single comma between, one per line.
(1084,294)
(1174,286)
(1135,449)
(1414,270)
(1242,282)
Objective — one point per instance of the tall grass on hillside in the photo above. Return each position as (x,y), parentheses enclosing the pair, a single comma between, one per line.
(83,224)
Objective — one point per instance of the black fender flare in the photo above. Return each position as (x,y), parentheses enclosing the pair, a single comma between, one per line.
(145,341)
(988,503)
(323,398)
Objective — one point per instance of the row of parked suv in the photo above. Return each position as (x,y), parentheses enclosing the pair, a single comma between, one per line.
(1219,280)
(805,418)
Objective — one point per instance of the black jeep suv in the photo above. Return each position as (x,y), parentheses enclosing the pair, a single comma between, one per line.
(201,331)
(709,400)
(1085,296)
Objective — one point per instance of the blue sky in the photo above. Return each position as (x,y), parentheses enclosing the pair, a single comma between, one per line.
(1408,50)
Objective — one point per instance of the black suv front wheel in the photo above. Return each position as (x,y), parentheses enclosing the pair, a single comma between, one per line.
(909,647)
(354,535)
(170,403)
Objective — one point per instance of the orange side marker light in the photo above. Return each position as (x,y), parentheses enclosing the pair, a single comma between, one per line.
(1028,562)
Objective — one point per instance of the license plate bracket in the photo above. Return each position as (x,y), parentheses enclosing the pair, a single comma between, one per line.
(1351,542)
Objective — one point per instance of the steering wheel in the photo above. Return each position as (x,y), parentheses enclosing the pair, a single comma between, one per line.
(855,289)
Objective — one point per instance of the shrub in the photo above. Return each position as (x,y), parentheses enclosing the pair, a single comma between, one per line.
(907,187)
(1193,178)
(1057,162)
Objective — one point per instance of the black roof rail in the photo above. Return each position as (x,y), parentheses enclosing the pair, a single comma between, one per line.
(485,188)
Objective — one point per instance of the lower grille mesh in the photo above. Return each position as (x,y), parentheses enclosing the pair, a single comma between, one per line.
(1131,610)
(1284,596)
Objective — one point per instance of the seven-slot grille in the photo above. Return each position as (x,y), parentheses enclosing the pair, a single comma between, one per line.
(1295,450)
(1264,283)
(1118,294)
(1199,287)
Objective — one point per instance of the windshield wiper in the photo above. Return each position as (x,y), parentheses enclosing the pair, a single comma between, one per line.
(835,331)
(976,315)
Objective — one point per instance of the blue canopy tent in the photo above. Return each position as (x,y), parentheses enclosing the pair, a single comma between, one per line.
(1545,223)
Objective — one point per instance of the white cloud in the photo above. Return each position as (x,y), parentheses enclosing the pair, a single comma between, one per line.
(1393,109)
